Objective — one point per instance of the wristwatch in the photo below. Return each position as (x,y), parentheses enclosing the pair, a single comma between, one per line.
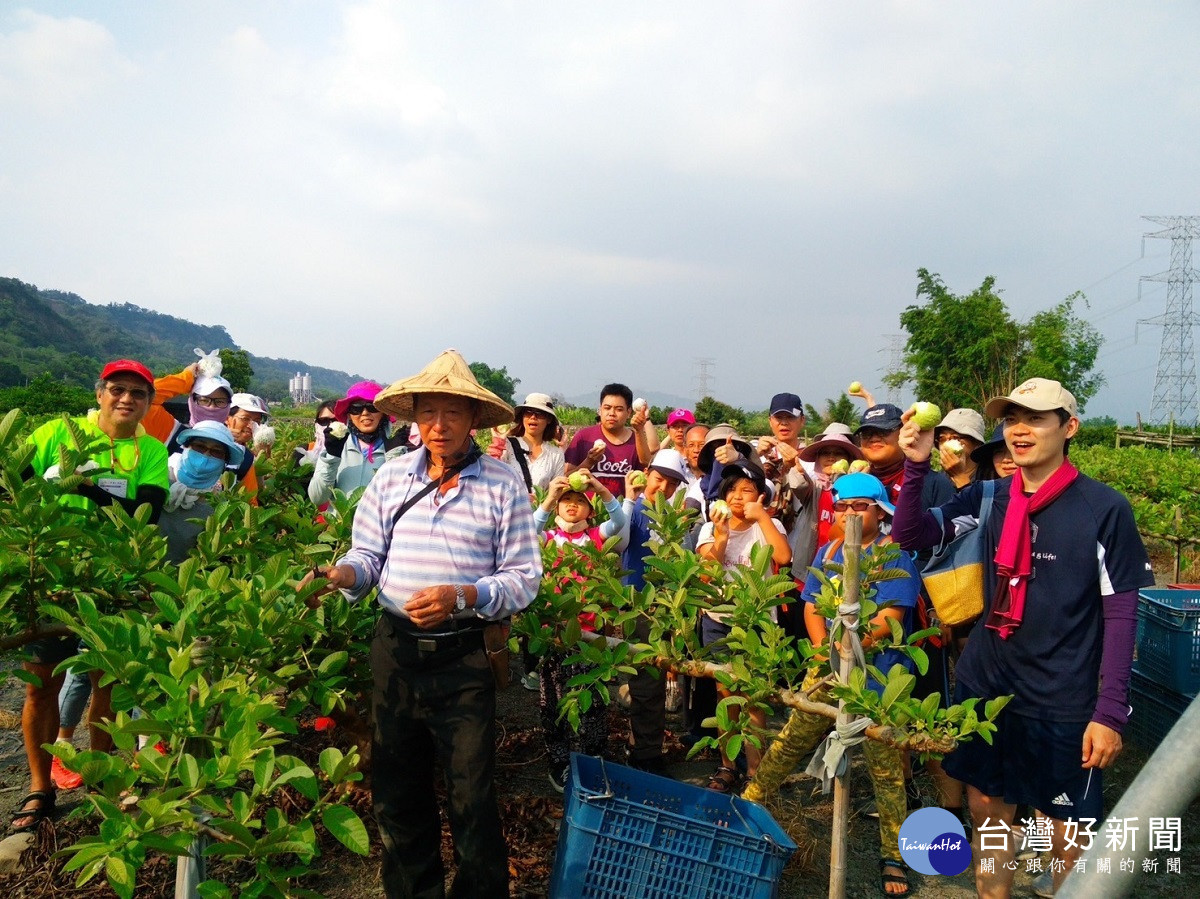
(460,598)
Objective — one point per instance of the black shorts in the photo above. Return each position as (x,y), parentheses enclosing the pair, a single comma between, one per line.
(52,650)
(936,678)
(1031,761)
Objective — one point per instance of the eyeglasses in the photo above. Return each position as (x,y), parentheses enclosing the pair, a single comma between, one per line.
(326,420)
(360,408)
(212,402)
(858,505)
(243,419)
(214,452)
(137,394)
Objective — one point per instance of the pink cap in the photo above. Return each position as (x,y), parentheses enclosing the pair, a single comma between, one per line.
(684,415)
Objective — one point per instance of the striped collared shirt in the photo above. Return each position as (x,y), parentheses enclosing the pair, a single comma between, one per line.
(480,532)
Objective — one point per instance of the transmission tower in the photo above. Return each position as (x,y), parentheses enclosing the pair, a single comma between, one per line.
(705,379)
(895,362)
(1175,381)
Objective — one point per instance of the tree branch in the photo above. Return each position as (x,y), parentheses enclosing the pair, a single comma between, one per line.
(15,640)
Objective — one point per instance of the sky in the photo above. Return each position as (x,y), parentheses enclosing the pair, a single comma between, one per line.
(584,193)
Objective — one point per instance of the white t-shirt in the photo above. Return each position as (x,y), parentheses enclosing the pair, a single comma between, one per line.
(545,468)
(737,549)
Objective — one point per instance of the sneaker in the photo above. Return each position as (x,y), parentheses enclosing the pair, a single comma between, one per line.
(530,682)
(1043,884)
(1023,852)
(559,779)
(674,696)
(64,779)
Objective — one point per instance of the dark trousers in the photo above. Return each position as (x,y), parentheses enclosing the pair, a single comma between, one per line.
(648,706)
(435,705)
(592,737)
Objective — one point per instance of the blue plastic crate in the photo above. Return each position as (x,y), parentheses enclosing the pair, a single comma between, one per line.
(1168,641)
(1155,711)
(634,835)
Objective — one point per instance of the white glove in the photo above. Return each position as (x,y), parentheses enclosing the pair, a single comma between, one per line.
(53,474)
(181,496)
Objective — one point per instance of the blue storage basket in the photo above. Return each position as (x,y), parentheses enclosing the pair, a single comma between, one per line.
(1168,641)
(633,835)
(1155,711)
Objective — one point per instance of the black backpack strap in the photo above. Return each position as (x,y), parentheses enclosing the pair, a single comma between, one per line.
(449,473)
(519,452)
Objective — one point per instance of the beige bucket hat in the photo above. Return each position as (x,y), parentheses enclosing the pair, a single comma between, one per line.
(448,373)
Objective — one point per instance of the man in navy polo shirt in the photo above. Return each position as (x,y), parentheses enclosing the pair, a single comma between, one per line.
(1060,618)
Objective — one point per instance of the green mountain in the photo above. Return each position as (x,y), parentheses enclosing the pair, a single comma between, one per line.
(61,334)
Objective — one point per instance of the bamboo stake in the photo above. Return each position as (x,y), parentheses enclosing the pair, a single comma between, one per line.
(841,784)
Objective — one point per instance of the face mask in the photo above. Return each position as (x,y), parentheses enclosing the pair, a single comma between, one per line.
(571,527)
(199,471)
(204,413)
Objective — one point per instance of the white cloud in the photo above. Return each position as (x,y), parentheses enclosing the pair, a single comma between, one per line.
(52,65)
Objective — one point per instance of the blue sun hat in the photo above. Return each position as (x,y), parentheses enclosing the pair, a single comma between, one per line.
(861,485)
(215,430)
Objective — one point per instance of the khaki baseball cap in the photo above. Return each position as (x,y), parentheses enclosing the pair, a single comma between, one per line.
(1039,394)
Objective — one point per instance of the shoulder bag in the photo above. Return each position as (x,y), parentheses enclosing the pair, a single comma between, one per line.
(953,576)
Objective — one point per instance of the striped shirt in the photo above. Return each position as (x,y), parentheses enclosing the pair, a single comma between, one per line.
(479,532)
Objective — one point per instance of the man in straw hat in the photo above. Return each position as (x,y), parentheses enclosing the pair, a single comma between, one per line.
(447,534)
(1065,563)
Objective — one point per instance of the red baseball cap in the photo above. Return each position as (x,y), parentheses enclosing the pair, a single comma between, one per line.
(128,366)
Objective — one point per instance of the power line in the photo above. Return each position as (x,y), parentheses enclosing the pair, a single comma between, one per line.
(895,362)
(1175,380)
(705,380)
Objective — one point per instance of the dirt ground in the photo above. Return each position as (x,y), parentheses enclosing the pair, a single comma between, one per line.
(532,812)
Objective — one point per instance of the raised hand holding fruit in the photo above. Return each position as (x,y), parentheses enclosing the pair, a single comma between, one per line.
(927,415)
(841,466)
(580,480)
(859,465)
(719,511)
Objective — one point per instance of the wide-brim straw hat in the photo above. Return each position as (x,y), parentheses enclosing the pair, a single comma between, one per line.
(449,374)
(840,441)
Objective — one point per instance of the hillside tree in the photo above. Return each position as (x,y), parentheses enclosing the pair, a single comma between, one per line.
(235,368)
(711,411)
(962,350)
(497,380)
(841,409)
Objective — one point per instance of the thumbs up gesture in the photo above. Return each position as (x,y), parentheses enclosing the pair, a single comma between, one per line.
(727,453)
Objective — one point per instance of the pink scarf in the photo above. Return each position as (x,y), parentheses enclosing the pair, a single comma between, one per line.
(1014,555)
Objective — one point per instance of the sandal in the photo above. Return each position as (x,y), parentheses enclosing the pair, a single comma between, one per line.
(38,814)
(885,879)
(725,780)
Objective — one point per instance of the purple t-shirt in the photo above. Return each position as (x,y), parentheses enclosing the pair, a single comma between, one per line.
(618,460)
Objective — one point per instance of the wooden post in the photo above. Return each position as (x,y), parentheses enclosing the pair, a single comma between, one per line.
(841,785)
(191,870)
(1178,543)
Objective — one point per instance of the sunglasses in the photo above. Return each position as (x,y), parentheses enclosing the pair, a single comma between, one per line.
(212,402)
(215,452)
(360,408)
(138,394)
(326,420)
(858,505)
